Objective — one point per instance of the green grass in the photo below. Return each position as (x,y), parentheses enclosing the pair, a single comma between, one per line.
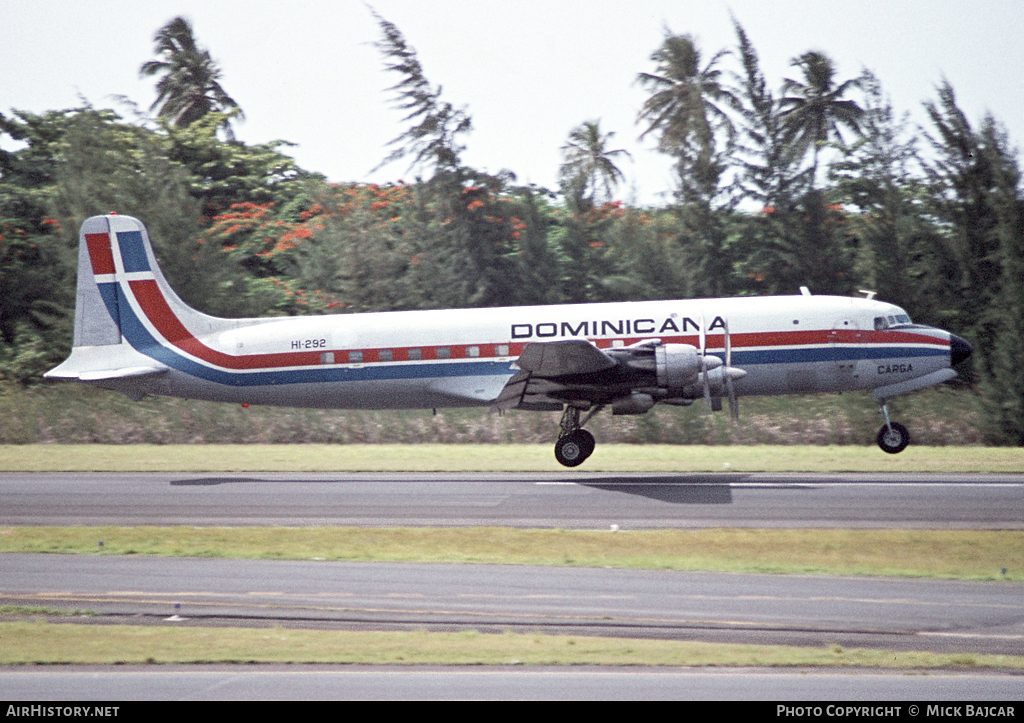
(79,414)
(950,554)
(498,458)
(43,642)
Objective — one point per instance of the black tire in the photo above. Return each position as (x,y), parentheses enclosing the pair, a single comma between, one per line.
(895,440)
(588,442)
(571,450)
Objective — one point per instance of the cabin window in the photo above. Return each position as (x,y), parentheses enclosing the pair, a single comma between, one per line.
(327,357)
(501,350)
(444,352)
(355,357)
(385,355)
(472,351)
(415,354)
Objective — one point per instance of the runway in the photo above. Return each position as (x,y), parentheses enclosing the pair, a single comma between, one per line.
(656,603)
(894,614)
(570,500)
(310,682)
(891,613)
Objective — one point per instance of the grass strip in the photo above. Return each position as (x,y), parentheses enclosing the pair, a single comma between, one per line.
(940,554)
(498,458)
(41,642)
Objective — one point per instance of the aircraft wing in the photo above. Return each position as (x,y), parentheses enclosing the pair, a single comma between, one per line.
(550,372)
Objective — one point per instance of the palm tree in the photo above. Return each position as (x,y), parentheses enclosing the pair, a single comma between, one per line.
(813,110)
(589,174)
(190,87)
(687,99)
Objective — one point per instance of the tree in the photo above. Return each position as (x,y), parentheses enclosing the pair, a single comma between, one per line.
(472,244)
(589,173)
(767,243)
(687,100)
(433,140)
(190,87)
(767,170)
(879,176)
(222,174)
(813,109)
(977,199)
(539,268)
(799,238)
(1003,389)
(688,109)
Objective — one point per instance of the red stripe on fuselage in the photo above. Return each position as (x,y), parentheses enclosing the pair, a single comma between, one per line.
(149,297)
(162,317)
(805,338)
(100,255)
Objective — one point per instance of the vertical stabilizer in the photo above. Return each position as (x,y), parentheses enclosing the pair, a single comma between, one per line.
(116,267)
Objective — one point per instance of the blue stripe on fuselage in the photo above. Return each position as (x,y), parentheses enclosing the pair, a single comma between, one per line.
(810,355)
(144,342)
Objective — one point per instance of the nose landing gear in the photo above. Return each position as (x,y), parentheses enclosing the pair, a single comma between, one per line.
(892,438)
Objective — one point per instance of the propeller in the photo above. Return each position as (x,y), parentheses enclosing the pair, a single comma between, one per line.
(725,375)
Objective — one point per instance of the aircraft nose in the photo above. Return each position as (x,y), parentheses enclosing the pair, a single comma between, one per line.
(959,349)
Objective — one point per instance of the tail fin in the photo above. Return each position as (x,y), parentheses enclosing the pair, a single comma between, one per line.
(120,291)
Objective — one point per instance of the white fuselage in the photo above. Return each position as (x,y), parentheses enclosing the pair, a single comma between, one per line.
(423,359)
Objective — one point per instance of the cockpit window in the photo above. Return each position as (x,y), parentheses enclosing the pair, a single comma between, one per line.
(887,322)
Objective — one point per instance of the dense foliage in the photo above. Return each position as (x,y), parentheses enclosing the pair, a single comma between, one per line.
(820,184)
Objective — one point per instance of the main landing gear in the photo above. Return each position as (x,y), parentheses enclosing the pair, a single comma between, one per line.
(893,438)
(574,444)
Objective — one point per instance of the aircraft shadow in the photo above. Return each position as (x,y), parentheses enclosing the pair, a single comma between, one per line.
(692,491)
(211,481)
(676,489)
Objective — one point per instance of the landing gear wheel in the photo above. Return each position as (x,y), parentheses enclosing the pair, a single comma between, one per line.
(893,440)
(572,449)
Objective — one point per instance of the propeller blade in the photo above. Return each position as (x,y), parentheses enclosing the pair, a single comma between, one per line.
(703,334)
(704,362)
(734,405)
(728,343)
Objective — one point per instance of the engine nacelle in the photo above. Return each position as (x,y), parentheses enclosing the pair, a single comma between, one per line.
(677,365)
(635,403)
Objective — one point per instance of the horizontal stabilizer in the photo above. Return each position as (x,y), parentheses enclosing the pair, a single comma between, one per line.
(125,373)
(106,363)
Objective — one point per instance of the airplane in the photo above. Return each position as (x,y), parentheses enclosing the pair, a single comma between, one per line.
(133,334)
